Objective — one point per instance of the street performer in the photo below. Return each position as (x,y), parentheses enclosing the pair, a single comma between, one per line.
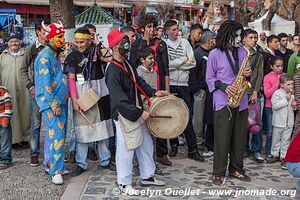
(230,124)
(85,73)
(125,89)
(52,94)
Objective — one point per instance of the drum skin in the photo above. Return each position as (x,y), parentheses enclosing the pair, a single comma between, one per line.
(168,128)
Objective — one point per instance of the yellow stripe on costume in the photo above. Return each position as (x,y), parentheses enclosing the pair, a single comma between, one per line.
(82,36)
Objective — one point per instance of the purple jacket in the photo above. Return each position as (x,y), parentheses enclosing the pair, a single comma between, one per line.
(218,68)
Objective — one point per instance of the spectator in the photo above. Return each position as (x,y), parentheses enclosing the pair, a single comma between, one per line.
(10,63)
(271,84)
(5,128)
(283,51)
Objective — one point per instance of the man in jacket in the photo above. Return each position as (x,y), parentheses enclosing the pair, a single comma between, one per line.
(148,24)
(181,60)
(125,88)
(199,90)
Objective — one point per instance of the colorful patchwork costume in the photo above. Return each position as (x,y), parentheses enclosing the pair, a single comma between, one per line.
(52,93)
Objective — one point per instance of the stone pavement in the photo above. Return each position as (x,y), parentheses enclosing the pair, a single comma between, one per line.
(186,175)
(21,181)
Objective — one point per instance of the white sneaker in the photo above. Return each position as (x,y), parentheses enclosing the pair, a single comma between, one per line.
(57,179)
(152,181)
(208,154)
(129,190)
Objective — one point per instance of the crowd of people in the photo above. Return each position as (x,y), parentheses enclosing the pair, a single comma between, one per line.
(101,91)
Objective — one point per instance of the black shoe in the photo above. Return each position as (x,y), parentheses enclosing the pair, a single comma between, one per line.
(77,171)
(71,158)
(174,150)
(25,145)
(34,162)
(195,155)
(92,155)
(110,166)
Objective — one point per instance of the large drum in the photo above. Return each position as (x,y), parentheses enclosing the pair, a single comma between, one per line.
(169,117)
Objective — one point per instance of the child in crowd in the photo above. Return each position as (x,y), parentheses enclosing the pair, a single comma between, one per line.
(292,159)
(5,128)
(283,118)
(270,85)
(145,69)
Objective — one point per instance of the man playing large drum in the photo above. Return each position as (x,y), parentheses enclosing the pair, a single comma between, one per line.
(125,89)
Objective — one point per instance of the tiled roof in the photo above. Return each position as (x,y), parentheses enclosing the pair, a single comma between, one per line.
(95,15)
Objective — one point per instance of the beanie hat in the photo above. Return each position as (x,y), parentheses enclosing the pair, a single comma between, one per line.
(14,36)
(114,37)
(53,29)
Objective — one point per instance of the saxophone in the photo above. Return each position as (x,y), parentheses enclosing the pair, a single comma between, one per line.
(241,84)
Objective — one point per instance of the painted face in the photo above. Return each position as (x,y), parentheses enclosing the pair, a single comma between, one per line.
(13,44)
(237,38)
(124,46)
(288,86)
(59,40)
(82,45)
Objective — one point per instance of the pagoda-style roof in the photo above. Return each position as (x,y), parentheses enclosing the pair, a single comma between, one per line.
(95,15)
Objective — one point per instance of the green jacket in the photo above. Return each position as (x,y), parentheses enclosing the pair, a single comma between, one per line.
(293,62)
(256,62)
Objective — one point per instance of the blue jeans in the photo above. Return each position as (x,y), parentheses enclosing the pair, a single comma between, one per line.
(72,145)
(35,118)
(269,114)
(5,144)
(103,152)
(294,169)
(256,141)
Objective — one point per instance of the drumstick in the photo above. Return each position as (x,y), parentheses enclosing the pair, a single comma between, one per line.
(160,116)
(83,115)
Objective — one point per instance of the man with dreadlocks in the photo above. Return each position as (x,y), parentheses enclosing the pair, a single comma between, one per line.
(230,124)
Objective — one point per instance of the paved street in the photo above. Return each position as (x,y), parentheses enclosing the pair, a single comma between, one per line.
(22,181)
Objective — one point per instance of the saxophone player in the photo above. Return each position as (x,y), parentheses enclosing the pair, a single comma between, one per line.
(230,124)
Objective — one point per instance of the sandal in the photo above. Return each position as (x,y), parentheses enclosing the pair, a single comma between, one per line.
(240,175)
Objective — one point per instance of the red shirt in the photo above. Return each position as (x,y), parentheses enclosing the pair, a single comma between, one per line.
(293,152)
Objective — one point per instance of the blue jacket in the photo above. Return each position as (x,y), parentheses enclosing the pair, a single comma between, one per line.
(51,85)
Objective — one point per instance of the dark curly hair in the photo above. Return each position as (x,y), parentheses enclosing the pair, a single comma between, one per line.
(226,34)
(147,19)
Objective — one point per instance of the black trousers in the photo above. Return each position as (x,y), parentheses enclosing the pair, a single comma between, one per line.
(161,147)
(183,92)
(209,137)
(230,135)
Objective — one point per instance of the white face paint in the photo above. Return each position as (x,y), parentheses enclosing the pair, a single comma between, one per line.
(237,38)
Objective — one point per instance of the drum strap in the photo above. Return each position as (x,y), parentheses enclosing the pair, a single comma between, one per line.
(133,80)
(155,67)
